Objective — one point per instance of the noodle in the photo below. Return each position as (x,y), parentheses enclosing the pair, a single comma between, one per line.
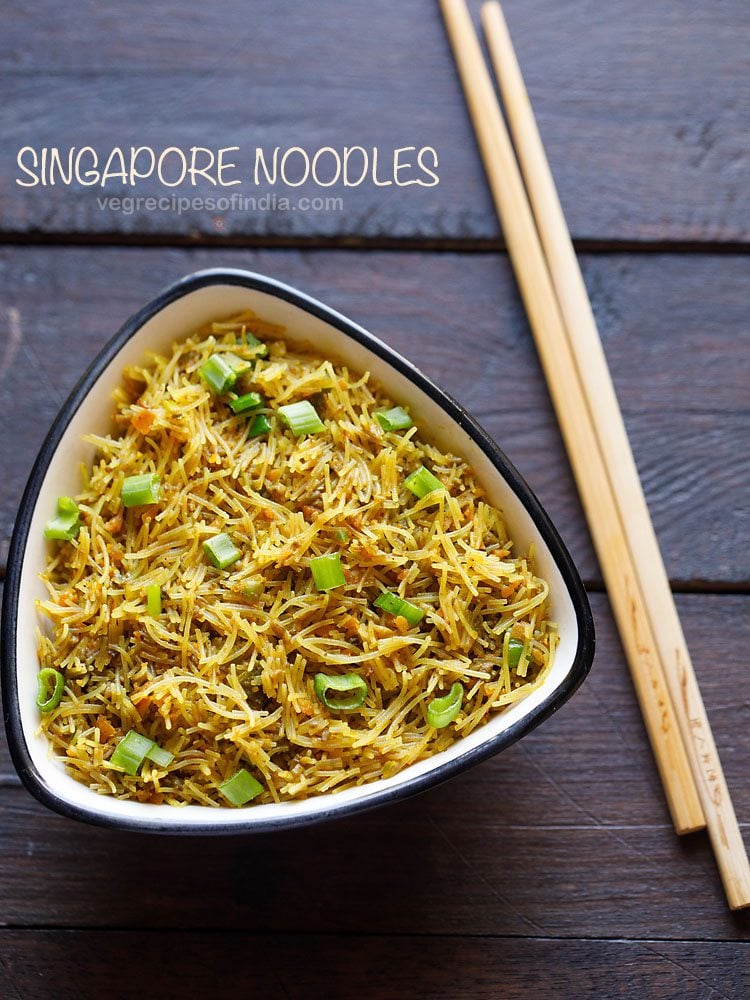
(223,677)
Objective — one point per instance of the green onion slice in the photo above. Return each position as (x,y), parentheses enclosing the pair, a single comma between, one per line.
(240,366)
(442,711)
(50,686)
(259,426)
(396,605)
(327,572)
(253,587)
(240,788)
(396,419)
(421,482)
(218,374)
(221,551)
(140,490)
(153,600)
(252,341)
(159,756)
(134,748)
(301,418)
(66,523)
(340,692)
(341,535)
(131,752)
(250,401)
(515,648)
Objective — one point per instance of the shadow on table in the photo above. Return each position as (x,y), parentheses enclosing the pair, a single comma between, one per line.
(510,848)
(398,869)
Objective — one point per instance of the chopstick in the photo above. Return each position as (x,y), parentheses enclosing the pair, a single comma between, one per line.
(575,422)
(591,364)
(590,469)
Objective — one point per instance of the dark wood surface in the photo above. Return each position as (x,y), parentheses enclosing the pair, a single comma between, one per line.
(644,108)
(300,966)
(552,870)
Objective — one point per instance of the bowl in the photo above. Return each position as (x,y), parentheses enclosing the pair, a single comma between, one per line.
(179,309)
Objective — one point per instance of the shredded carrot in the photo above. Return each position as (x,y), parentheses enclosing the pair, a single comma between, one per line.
(350,624)
(114,524)
(142,705)
(106,730)
(143,420)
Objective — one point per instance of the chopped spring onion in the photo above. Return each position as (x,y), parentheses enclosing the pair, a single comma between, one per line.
(218,374)
(240,366)
(153,600)
(250,401)
(159,756)
(221,551)
(131,752)
(352,691)
(301,418)
(327,572)
(515,648)
(50,685)
(395,605)
(66,523)
(396,419)
(421,482)
(442,711)
(240,788)
(259,426)
(341,535)
(252,341)
(140,490)
(134,748)
(253,587)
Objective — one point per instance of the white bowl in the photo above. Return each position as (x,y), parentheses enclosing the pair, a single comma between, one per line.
(181,308)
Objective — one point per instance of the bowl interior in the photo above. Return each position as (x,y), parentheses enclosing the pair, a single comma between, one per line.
(173,322)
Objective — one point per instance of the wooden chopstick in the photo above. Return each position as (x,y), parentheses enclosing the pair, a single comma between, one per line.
(584,449)
(570,404)
(591,364)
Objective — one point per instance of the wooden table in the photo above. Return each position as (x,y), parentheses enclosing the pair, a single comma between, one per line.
(552,870)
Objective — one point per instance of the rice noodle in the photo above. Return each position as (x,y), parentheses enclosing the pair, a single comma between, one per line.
(224,680)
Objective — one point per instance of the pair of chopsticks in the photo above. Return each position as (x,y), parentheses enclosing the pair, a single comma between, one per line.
(567,340)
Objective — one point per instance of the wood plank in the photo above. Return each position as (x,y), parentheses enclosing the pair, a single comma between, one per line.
(115,964)
(565,834)
(642,148)
(675,331)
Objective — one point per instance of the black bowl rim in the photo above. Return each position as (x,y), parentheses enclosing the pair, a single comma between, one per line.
(21,757)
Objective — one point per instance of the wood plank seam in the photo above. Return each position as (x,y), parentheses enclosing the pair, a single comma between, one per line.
(42,238)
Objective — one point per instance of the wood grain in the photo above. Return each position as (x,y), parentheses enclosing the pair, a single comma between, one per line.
(494,882)
(674,329)
(115,965)
(529,843)
(643,108)
(588,456)
(575,327)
